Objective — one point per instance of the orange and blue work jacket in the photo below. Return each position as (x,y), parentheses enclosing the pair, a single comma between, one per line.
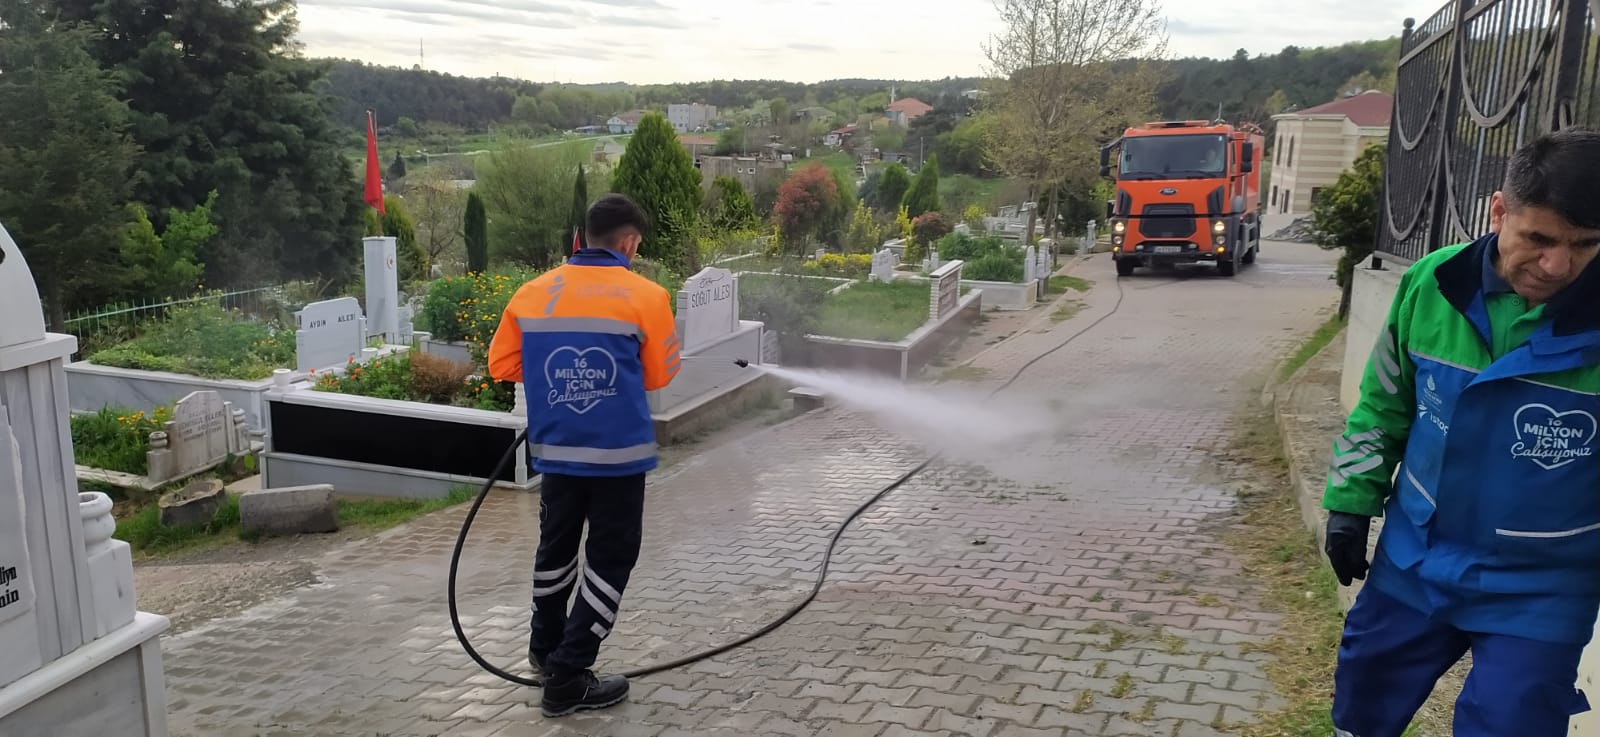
(587,340)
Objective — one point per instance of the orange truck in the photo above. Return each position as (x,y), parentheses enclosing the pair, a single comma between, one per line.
(1187,192)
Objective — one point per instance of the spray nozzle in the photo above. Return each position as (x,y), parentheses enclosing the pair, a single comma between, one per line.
(741,363)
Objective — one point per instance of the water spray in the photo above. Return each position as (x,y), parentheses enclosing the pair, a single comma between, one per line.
(816,586)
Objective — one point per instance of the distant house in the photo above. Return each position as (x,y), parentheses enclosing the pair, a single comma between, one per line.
(815,114)
(1313,146)
(754,173)
(901,112)
(698,145)
(778,151)
(607,152)
(627,122)
(691,117)
(838,136)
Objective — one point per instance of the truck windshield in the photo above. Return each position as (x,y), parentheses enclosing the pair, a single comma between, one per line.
(1174,157)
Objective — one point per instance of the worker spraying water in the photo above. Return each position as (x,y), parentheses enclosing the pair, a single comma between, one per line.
(597,334)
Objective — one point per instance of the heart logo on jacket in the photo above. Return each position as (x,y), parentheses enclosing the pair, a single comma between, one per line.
(580,379)
(1553,439)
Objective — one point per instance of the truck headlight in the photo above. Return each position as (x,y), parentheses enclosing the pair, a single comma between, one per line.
(1119,227)
(1218,227)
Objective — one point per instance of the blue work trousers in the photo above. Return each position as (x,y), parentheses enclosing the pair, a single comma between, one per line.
(1391,655)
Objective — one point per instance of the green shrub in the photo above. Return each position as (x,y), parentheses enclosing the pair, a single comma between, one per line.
(851,266)
(204,339)
(787,304)
(469,308)
(116,438)
(969,247)
(987,258)
(1003,267)
(420,377)
(658,272)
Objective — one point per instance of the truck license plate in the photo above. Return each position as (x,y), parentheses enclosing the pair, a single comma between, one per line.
(1167,249)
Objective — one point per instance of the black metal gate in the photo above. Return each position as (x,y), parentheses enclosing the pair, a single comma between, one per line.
(1476,81)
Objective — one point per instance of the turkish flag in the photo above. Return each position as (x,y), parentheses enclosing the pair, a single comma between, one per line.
(577,242)
(374,194)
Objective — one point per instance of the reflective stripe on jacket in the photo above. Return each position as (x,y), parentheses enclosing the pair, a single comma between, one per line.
(1492,522)
(588,340)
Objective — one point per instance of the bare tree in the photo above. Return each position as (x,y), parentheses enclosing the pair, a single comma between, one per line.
(1073,72)
(438,207)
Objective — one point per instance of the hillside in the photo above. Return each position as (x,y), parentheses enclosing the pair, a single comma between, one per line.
(1246,87)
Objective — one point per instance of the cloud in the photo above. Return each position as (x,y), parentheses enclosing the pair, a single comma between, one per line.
(665,22)
(526,13)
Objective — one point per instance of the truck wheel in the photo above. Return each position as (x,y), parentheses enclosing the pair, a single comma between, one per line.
(1125,266)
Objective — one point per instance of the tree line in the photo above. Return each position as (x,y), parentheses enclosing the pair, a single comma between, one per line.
(150,147)
(1244,86)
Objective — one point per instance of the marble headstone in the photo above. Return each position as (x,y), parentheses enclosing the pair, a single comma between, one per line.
(708,307)
(198,433)
(330,335)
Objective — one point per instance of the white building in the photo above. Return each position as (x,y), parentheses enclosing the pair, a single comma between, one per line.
(691,117)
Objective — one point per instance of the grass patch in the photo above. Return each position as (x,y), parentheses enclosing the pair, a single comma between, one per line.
(874,311)
(1284,555)
(1062,283)
(381,514)
(144,533)
(965,372)
(206,340)
(1320,339)
(1067,311)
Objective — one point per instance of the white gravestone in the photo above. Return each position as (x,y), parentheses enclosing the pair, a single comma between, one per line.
(383,287)
(331,334)
(708,307)
(963,229)
(199,432)
(945,290)
(883,263)
(62,670)
(1030,264)
(19,646)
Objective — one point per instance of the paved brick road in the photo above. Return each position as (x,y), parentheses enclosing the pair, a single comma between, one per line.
(1070,585)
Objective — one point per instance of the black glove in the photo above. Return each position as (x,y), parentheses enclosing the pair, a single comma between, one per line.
(1347,546)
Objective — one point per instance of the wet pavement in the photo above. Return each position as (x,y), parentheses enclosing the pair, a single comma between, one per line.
(1072,584)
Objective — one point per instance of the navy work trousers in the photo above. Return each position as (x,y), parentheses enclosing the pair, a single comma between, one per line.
(613,507)
(1391,655)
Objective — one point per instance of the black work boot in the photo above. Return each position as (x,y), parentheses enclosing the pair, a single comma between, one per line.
(564,694)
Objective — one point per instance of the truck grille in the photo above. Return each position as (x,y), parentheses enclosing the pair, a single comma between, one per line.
(1167,221)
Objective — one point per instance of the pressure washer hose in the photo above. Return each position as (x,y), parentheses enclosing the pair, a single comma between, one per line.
(816,586)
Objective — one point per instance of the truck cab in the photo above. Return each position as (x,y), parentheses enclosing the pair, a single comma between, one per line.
(1186,192)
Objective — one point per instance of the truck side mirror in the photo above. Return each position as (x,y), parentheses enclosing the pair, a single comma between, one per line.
(1249,155)
(1111,210)
(1105,162)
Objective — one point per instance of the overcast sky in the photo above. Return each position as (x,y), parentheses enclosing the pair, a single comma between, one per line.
(655,41)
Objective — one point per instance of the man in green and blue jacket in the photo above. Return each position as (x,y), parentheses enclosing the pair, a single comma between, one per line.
(1483,391)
